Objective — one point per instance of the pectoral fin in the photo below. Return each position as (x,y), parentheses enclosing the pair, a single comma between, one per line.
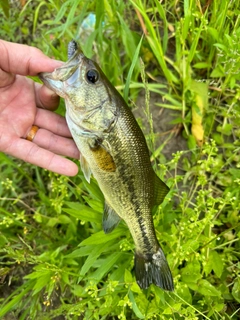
(85,168)
(103,158)
(160,190)
(110,219)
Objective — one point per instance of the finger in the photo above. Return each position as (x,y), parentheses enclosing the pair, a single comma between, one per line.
(24,60)
(46,98)
(6,78)
(32,153)
(52,122)
(56,144)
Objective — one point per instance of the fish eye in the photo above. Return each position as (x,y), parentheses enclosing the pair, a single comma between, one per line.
(92,75)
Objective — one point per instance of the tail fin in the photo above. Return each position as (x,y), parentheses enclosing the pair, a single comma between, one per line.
(153,269)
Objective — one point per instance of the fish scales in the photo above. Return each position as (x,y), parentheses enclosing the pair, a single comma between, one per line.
(113,149)
(134,171)
(132,196)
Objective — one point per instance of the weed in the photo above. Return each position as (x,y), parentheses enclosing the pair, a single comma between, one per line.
(55,259)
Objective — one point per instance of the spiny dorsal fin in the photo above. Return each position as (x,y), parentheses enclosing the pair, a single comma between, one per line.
(160,190)
(110,219)
(72,48)
(85,168)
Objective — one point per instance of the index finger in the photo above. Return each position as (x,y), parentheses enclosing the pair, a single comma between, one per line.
(24,60)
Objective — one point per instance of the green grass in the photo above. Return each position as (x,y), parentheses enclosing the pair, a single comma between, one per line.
(54,258)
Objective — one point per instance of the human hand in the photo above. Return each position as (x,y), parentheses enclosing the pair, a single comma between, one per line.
(24,103)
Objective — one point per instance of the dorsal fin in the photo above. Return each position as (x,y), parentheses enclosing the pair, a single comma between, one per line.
(160,190)
(110,219)
(72,48)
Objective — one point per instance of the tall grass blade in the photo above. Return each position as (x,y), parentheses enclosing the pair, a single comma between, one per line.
(130,72)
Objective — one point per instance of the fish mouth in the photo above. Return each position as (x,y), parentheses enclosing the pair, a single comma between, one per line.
(52,79)
(59,74)
(51,82)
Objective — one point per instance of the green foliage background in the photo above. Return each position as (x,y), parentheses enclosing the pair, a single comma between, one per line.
(55,261)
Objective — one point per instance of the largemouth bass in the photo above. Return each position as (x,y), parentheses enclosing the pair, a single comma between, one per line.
(113,149)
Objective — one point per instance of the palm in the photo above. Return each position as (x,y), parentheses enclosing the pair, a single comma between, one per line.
(24,103)
(17,113)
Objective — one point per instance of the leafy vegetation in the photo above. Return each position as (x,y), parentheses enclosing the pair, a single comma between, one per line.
(55,261)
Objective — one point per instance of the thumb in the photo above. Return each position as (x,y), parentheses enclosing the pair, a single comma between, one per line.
(6,78)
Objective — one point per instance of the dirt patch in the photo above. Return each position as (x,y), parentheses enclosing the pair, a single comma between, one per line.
(162,126)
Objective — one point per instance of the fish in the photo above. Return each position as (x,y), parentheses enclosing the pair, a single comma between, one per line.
(113,149)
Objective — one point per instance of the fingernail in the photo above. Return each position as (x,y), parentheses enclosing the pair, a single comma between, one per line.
(58,63)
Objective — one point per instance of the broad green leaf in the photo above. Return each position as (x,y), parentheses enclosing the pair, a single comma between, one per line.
(160,294)
(207,289)
(128,276)
(168,310)
(64,219)
(175,307)
(56,252)
(135,288)
(118,274)
(83,212)
(78,290)
(3,241)
(93,189)
(42,282)
(52,222)
(193,286)
(191,273)
(201,65)
(214,33)
(135,308)
(235,172)
(221,46)
(191,245)
(184,293)
(106,265)
(218,72)
(95,204)
(97,250)
(101,237)
(236,290)
(214,263)
(191,142)
(226,129)
(81,252)
(39,273)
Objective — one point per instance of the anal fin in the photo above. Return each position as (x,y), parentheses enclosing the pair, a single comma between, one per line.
(110,219)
